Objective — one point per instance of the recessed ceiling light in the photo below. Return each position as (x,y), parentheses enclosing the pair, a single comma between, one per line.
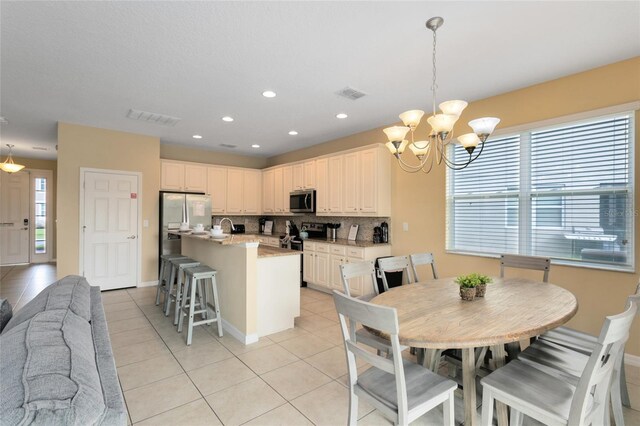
(269,94)
(197,136)
(341,115)
(227,119)
(255,145)
(293,133)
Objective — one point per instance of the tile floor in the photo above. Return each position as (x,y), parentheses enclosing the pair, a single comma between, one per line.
(296,377)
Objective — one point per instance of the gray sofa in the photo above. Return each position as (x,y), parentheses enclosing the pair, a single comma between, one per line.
(56,364)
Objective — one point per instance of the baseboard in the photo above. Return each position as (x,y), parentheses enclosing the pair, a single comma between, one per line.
(232,330)
(148,284)
(632,360)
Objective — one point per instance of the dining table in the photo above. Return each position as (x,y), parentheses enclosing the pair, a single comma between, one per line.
(431,315)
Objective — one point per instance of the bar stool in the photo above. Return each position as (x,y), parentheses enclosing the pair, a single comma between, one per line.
(208,305)
(177,271)
(165,269)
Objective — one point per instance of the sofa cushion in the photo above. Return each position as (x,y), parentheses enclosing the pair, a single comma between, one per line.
(71,292)
(49,373)
(5,313)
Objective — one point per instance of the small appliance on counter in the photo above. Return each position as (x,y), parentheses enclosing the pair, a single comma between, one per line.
(385,232)
(315,230)
(377,235)
(332,230)
(239,229)
(261,223)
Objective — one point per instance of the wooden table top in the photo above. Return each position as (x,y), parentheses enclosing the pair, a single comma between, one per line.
(432,315)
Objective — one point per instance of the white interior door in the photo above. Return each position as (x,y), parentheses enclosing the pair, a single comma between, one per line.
(110,229)
(14,218)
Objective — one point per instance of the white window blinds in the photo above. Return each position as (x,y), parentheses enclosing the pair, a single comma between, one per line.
(564,192)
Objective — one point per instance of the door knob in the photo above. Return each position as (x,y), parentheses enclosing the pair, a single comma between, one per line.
(131,237)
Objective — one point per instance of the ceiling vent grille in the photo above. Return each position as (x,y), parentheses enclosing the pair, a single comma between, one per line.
(351,93)
(153,118)
(226,145)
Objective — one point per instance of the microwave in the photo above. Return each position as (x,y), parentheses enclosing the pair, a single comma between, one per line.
(303,201)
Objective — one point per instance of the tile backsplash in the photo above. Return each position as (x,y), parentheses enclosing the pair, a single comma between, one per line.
(365,230)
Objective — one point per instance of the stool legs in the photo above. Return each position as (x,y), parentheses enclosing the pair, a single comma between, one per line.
(160,279)
(167,299)
(180,294)
(216,306)
(205,295)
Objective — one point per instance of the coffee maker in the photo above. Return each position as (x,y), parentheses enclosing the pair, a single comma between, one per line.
(377,235)
(261,223)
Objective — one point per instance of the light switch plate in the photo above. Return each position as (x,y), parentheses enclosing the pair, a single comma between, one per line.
(145,223)
(405,226)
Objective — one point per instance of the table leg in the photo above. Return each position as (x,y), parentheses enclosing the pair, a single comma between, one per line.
(501,409)
(469,385)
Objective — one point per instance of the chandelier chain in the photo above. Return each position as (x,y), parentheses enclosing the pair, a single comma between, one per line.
(434,86)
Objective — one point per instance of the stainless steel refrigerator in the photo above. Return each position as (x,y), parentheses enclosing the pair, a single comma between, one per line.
(178,207)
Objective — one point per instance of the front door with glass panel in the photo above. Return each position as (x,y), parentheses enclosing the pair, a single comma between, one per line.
(14,218)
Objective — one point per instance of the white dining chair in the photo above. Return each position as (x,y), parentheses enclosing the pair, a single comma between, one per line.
(364,270)
(418,259)
(395,264)
(525,262)
(566,351)
(399,389)
(554,399)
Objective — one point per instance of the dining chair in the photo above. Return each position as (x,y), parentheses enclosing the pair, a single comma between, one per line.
(554,399)
(401,390)
(395,264)
(525,262)
(565,351)
(363,270)
(418,259)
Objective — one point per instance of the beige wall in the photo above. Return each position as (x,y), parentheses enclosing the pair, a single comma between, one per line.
(176,152)
(36,164)
(419,199)
(81,146)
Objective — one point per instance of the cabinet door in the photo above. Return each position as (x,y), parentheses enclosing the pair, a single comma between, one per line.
(310,174)
(217,188)
(334,184)
(268,192)
(350,183)
(234,190)
(356,284)
(172,176)
(322,188)
(278,191)
(298,176)
(252,190)
(321,273)
(195,178)
(368,174)
(308,266)
(287,186)
(334,272)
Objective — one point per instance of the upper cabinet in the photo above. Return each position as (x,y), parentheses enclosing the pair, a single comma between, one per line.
(252,191)
(268,191)
(322,185)
(217,188)
(309,174)
(177,176)
(366,183)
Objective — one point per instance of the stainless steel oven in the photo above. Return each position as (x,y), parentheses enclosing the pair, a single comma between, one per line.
(303,201)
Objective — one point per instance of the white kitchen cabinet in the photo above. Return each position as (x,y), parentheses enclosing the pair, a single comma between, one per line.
(366,183)
(217,188)
(310,174)
(180,176)
(278,191)
(172,176)
(322,187)
(234,191)
(298,176)
(350,180)
(252,191)
(321,272)
(195,178)
(334,184)
(268,191)
(308,268)
(287,187)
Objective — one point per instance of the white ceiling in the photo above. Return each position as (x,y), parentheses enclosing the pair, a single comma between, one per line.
(90,62)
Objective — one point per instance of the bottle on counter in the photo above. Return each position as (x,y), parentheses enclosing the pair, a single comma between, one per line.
(385,232)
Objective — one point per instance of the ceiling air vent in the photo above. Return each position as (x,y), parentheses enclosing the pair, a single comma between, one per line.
(350,93)
(3,120)
(40,148)
(226,145)
(153,118)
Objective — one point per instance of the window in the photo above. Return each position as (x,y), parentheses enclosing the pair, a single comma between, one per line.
(564,192)
(40,243)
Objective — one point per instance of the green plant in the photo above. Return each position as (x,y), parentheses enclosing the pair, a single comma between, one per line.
(472,280)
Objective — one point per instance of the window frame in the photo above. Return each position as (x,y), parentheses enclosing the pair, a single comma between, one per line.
(526,216)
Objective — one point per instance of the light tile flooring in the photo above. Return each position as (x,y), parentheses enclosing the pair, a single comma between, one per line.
(297,377)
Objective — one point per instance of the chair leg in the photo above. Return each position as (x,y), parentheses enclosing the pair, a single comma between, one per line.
(183,305)
(216,303)
(624,391)
(516,418)
(167,301)
(160,279)
(487,407)
(202,298)
(448,410)
(353,409)
(192,304)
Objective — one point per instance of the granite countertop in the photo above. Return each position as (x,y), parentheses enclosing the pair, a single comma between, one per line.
(231,239)
(345,242)
(266,251)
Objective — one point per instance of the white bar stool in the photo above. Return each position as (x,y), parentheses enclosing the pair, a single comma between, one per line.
(209,302)
(165,269)
(177,271)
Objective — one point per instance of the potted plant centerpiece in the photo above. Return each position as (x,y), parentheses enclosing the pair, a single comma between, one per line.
(481,287)
(467,285)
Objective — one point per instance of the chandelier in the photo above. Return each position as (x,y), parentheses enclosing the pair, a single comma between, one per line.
(441,134)
(9,166)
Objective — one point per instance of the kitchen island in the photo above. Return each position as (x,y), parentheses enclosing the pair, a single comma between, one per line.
(258,287)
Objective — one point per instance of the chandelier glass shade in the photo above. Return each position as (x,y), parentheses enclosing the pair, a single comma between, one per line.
(9,166)
(441,134)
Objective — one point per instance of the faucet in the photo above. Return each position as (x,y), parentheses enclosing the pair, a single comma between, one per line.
(233,228)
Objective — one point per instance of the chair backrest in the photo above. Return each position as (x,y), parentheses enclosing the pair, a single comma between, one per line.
(596,376)
(355,270)
(380,318)
(394,264)
(525,262)
(418,259)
